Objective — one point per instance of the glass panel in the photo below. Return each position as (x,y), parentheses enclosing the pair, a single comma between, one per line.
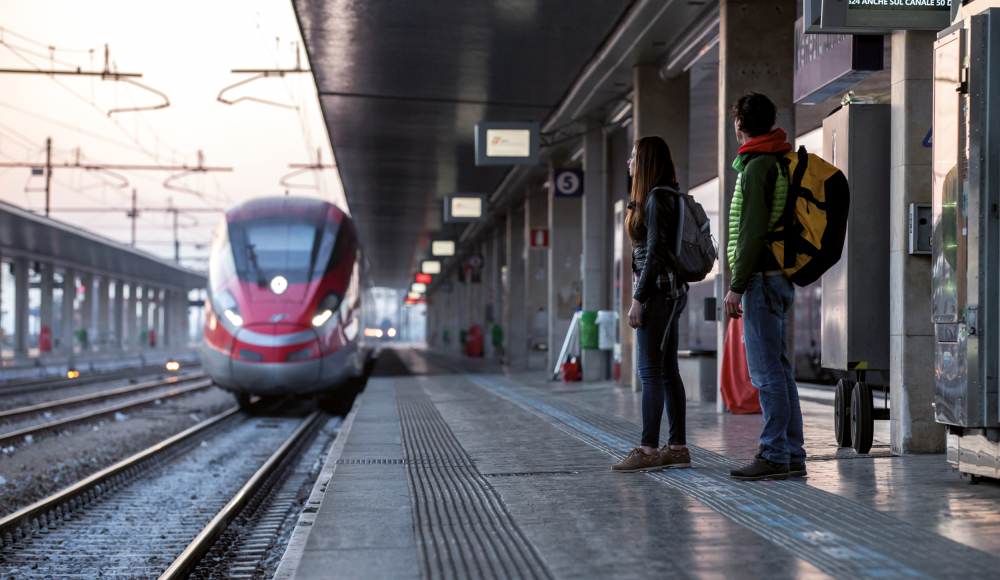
(947,211)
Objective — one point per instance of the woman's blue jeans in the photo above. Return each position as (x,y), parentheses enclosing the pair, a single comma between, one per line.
(765,330)
(661,379)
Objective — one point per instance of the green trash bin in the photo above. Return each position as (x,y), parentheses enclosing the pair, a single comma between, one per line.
(496,332)
(444,336)
(589,331)
(461,337)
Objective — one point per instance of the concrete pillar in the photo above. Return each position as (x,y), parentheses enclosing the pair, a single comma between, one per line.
(515,326)
(169,307)
(659,108)
(103,312)
(142,313)
(119,314)
(46,308)
(20,306)
(662,108)
(750,59)
(87,310)
(911,342)
(129,318)
(536,285)
(68,318)
(159,320)
(565,247)
(497,264)
(594,227)
(146,323)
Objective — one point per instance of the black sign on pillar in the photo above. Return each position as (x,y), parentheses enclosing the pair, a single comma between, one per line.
(567,183)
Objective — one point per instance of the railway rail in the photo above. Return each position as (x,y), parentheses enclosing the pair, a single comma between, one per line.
(209,498)
(181,389)
(35,385)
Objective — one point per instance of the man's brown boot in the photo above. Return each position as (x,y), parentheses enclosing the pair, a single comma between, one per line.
(674,458)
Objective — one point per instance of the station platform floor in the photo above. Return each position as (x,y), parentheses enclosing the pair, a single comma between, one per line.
(449,468)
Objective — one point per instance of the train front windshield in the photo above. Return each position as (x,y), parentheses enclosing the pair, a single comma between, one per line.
(298,250)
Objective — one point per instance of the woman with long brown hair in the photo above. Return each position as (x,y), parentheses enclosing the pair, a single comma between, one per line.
(657,302)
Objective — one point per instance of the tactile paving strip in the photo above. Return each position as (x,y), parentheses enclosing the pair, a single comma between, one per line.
(462,528)
(838,536)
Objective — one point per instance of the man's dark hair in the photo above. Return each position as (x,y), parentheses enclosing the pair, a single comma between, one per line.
(755,114)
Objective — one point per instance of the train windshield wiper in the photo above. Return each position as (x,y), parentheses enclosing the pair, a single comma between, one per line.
(252,258)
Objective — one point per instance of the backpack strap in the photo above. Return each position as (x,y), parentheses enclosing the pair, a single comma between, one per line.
(681,209)
(791,232)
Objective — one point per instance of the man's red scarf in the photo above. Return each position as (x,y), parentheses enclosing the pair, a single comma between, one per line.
(773,142)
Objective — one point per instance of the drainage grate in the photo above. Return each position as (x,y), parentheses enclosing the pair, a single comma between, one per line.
(462,528)
(530,473)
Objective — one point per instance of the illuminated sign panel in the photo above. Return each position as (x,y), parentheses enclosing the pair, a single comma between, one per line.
(882,16)
(507,143)
(418,287)
(443,248)
(430,267)
(413,295)
(423,278)
(464,207)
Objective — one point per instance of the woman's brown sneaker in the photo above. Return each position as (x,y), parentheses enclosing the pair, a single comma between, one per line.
(674,458)
(638,461)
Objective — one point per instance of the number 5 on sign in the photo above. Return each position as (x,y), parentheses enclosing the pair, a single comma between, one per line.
(567,182)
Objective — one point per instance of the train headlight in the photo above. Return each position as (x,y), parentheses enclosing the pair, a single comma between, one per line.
(392,332)
(234,318)
(324,311)
(322,317)
(279,284)
(225,302)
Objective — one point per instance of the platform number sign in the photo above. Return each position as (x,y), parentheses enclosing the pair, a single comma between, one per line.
(567,183)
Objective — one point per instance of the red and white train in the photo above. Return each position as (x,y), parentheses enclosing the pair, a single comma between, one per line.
(283,313)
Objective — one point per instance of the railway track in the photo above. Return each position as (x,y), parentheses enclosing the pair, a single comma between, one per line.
(37,385)
(207,502)
(183,386)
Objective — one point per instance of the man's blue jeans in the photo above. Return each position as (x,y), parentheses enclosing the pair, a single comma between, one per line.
(765,331)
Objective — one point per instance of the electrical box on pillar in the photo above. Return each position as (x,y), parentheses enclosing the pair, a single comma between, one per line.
(966,225)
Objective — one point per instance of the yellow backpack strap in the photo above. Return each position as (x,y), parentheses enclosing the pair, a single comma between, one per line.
(787,229)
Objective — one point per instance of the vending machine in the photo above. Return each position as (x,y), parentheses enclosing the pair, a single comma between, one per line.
(966,239)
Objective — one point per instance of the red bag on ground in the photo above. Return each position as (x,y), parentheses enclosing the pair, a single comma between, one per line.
(739,395)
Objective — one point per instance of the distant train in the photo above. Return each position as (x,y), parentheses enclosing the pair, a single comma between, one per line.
(283,315)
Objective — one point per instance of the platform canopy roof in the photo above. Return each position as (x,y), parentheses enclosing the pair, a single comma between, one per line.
(27,235)
(402,85)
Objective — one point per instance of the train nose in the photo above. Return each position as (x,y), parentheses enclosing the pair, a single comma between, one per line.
(275,359)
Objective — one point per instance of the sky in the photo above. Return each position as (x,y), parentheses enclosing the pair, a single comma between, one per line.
(184,49)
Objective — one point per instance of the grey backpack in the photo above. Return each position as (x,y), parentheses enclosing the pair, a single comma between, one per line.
(696,250)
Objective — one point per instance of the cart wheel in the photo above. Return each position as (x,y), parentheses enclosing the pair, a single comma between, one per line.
(842,412)
(862,423)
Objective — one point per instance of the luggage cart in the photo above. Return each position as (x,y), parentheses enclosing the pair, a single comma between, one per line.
(855,302)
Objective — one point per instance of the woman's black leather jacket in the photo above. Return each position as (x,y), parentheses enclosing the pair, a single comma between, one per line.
(651,254)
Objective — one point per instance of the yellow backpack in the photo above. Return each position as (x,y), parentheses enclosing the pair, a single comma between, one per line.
(808,238)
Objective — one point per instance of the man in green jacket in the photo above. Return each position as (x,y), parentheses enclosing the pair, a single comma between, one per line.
(760,292)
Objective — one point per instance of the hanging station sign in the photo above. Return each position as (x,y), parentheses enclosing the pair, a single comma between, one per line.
(827,64)
(875,16)
(423,278)
(442,248)
(430,267)
(507,143)
(464,207)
